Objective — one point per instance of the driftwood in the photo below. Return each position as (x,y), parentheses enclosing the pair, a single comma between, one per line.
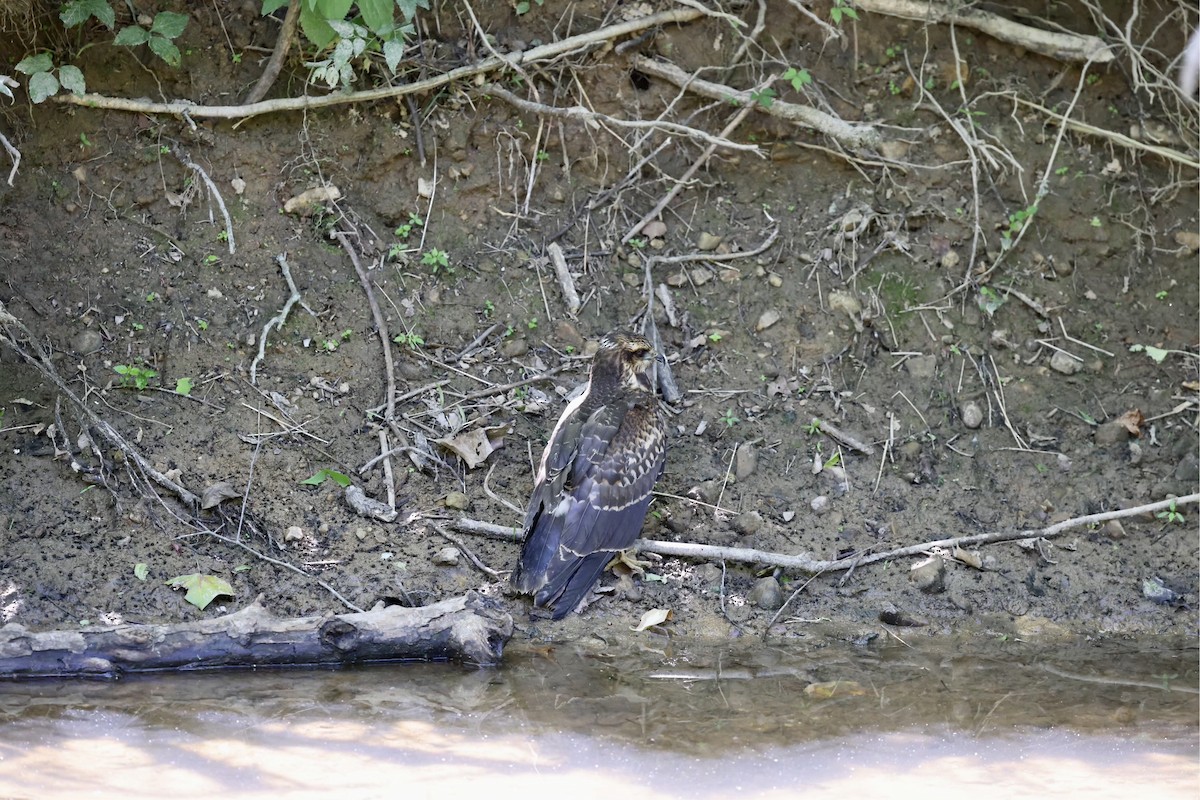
(466,629)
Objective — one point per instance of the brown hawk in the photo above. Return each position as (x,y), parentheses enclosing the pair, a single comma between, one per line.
(593,486)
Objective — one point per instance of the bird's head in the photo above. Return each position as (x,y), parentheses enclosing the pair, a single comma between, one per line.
(628,357)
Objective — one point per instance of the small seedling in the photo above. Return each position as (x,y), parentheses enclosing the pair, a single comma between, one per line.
(990,300)
(729,418)
(135,377)
(813,428)
(714,337)
(329,345)
(202,324)
(222,235)
(489,308)
(409,340)
(637,244)
(842,10)
(150,298)
(1096,223)
(799,78)
(183,386)
(137,326)
(437,260)
(1171,515)
(509,330)
(1161,295)
(532,324)
(211,259)
(833,461)
(764,97)
(346,334)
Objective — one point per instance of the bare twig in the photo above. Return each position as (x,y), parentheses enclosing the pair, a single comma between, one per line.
(855,137)
(593,117)
(282,44)
(565,281)
(277,320)
(14,154)
(805,563)
(839,435)
(1062,46)
(212,188)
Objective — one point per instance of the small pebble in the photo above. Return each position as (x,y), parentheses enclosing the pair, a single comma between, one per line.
(457,501)
(819,504)
(921,367)
(767,319)
(766,594)
(746,523)
(447,557)
(1111,433)
(294,534)
(929,575)
(1113,529)
(514,348)
(1061,362)
(708,241)
(745,462)
(86,342)
(972,414)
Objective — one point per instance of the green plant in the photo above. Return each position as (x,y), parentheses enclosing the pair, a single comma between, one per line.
(329,345)
(489,308)
(1171,515)
(346,334)
(134,377)
(166,27)
(373,29)
(436,260)
(509,330)
(729,418)
(532,324)
(150,298)
(202,324)
(764,97)
(842,10)
(223,235)
(409,340)
(799,78)
(637,244)
(1096,223)
(522,7)
(989,300)
(714,336)
(210,259)
(322,475)
(1016,221)
(1062,171)
(405,230)
(813,427)
(183,386)
(1161,295)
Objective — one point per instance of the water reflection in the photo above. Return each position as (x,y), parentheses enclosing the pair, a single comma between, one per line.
(672,720)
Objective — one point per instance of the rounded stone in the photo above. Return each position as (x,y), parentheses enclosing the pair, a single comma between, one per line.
(86,342)
(766,594)
(972,414)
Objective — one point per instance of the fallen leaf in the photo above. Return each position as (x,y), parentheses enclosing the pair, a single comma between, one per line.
(1132,420)
(218,493)
(141,570)
(201,589)
(475,445)
(655,616)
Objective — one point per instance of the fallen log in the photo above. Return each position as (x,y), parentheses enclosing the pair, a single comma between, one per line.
(467,629)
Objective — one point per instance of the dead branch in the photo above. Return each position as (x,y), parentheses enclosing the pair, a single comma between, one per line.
(1062,46)
(546,52)
(277,320)
(278,55)
(565,281)
(594,117)
(855,137)
(805,563)
(14,154)
(212,188)
(466,629)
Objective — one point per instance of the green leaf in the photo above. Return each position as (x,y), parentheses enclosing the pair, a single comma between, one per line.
(201,589)
(1157,353)
(78,12)
(377,13)
(271,6)
(166,50)
(183,386)
(72,79)
(131,36)
(321,475)
(393,51)
(313,20)
(169,24)
(42,62)
(41,86)
(409,7)
(141,570)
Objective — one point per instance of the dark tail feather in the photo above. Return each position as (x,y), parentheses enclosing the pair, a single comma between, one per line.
(565,589)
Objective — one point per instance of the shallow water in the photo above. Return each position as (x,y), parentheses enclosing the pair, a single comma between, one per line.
(673,720)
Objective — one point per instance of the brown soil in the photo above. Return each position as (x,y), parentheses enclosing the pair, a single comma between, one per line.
(877,333)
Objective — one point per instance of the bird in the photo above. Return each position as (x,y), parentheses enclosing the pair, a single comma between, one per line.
(594,482)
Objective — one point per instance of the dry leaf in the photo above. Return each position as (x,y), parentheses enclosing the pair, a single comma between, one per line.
(655,616)
(218,493)
(474,446)
(830,689)
(1132,421)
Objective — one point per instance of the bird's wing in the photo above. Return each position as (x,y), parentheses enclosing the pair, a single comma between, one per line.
(599,505)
